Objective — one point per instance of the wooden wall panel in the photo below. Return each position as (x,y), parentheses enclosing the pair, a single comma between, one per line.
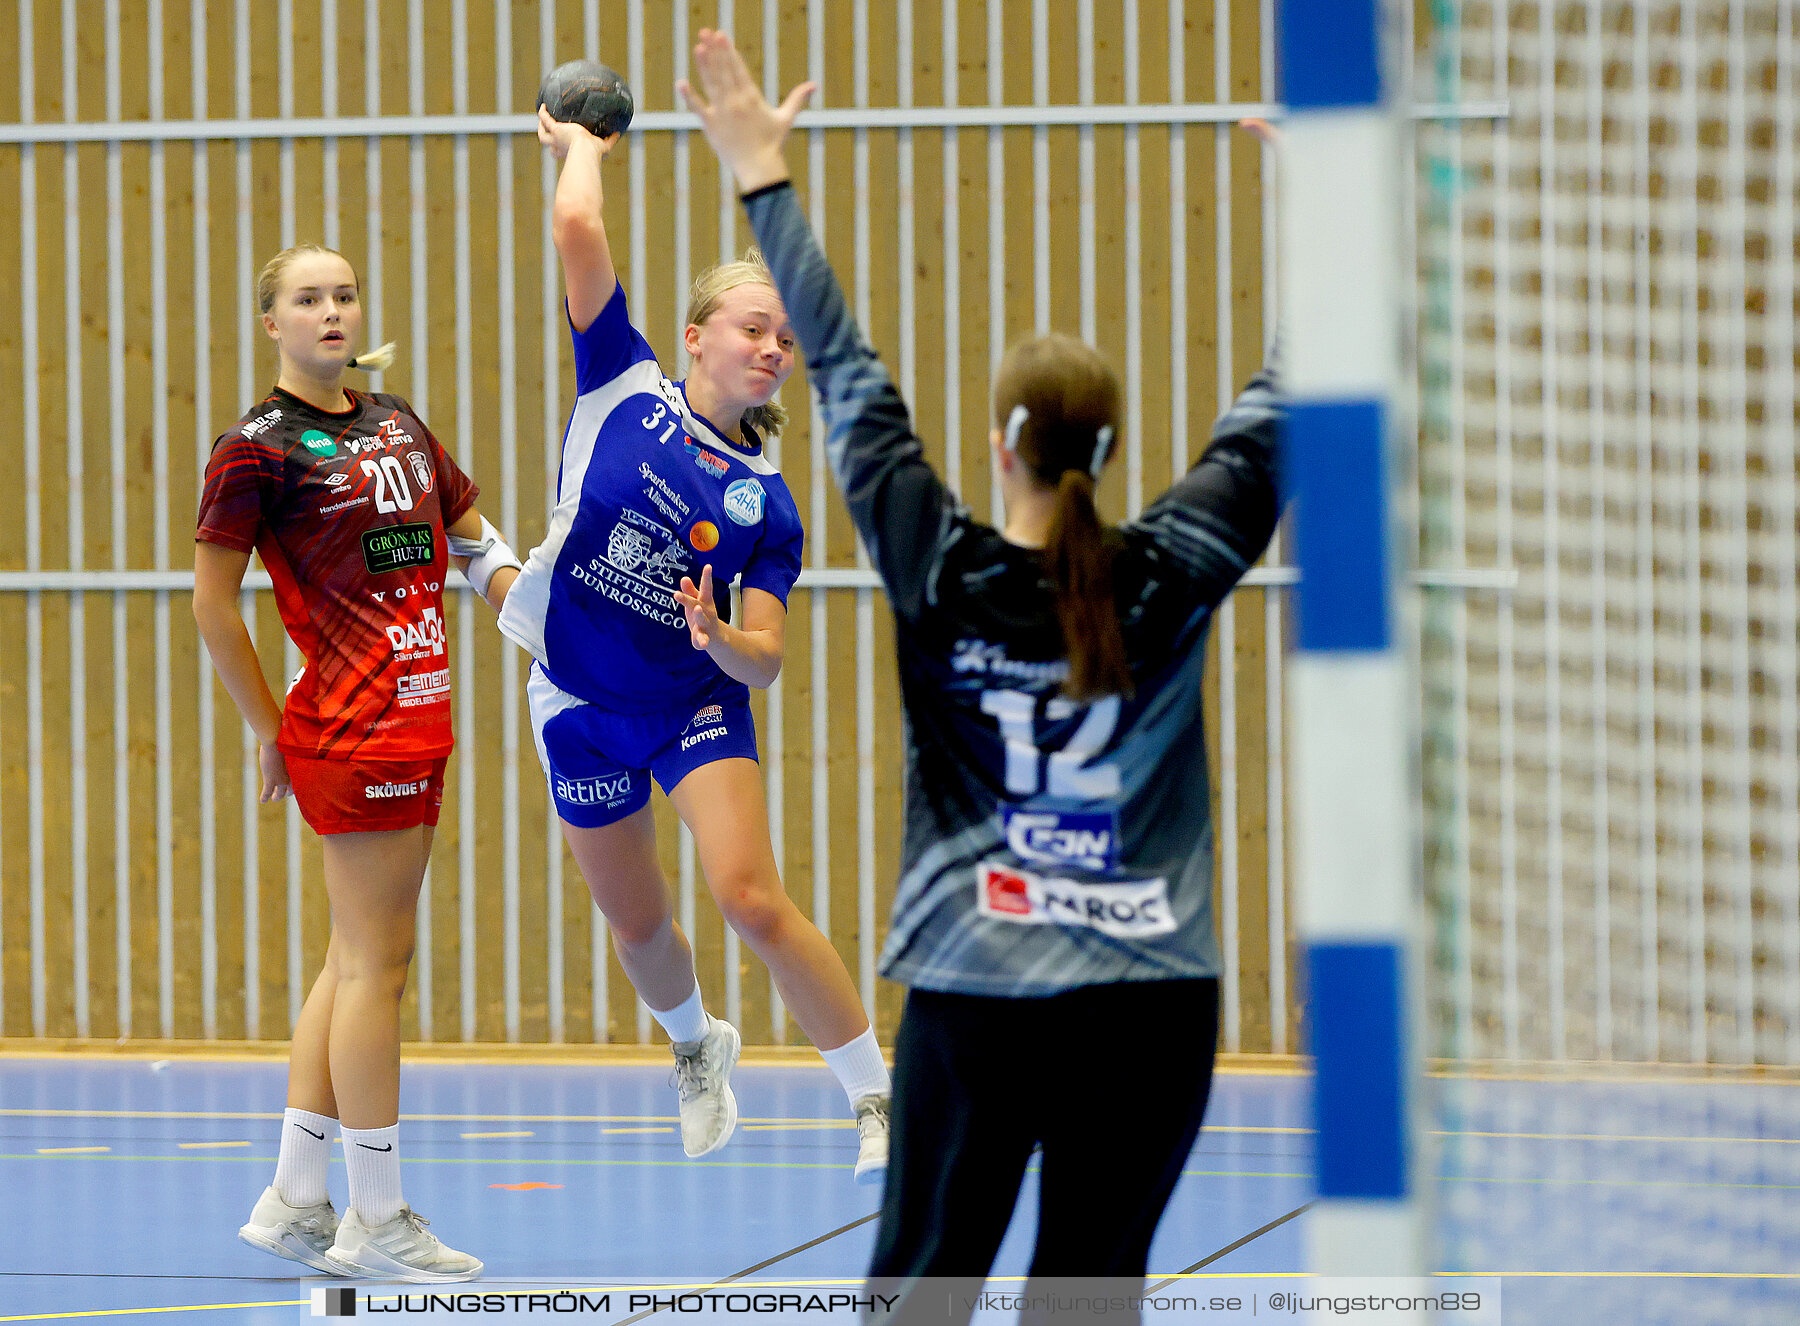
(318,190)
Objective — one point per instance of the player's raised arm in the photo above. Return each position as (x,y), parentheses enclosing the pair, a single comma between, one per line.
(1219,517)
(896,499)
(576,226)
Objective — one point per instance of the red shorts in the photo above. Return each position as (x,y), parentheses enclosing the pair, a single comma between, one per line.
(366,796)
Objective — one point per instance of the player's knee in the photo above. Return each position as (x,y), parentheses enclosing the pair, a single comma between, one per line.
(753,907)
(382,959)
(643,931)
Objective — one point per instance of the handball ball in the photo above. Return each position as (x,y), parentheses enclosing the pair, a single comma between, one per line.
(591,95)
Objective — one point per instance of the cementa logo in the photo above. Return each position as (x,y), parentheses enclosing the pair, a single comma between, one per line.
(318,443)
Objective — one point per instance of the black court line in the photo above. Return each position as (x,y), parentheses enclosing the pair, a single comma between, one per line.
(1252,1236)
(780,1256)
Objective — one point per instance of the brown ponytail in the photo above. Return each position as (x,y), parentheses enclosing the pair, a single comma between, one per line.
(1059,404)
(1079,553)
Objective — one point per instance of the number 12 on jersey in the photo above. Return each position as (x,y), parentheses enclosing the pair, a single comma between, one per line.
(1059,773)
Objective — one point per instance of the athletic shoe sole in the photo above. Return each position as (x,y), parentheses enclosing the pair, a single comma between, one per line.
(731,1108)
(871,1175)
(290,1246)
(394,1270)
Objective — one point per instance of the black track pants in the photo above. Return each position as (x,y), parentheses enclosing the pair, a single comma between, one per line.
(1111,1080)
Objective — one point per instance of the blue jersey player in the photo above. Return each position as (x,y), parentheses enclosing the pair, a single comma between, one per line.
(664,493)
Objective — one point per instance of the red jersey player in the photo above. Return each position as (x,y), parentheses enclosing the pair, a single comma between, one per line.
(357,512)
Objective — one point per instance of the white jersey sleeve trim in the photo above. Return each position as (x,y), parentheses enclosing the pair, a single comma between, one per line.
(528,601)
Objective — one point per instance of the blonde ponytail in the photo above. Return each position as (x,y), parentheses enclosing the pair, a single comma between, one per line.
(378,360)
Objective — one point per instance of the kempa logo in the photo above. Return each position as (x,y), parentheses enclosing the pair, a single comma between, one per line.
(382,791)
(318,443)
(603,791)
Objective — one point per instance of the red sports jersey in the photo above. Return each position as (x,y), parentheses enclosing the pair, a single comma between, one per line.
(348,512)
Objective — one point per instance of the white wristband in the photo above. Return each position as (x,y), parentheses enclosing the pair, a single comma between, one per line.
(486,555)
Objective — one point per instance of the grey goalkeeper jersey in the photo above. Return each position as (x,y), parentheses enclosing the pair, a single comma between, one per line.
(1048,844)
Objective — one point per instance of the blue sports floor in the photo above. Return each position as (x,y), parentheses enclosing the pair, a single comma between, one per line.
(126,1181)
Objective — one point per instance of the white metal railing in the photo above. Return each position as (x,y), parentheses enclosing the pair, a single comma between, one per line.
(95,480)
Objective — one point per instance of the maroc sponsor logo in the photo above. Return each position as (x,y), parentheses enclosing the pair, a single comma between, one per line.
(344,505)
(715,465)
(1089,841)
(418,639)
(1133,909)
(704,536)
(406,591)
(422,471)
(423,687)
(261,422)
(980,656)
(744,501)
(339,480)
(318,443)
(603,791)
(382,791)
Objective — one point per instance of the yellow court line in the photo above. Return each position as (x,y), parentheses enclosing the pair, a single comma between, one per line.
(71,1150)
(638,1130)
(796,1127)
(799,1165)
(1631,1275)
(780,1122)
(133,1312)
(197,1146)
(523,1134)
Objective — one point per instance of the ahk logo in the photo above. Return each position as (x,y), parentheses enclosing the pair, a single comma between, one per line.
(334,1302)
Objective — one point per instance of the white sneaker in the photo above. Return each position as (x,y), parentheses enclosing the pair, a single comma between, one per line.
(398,1250)
(872,1128)
(300,1233)
(703,1078)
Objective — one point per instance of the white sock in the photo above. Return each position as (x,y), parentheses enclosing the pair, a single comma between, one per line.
(305,1157)
(372,1156)
(686,1021)
(859,1067)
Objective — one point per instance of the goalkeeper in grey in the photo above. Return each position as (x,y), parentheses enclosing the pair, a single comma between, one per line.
(1053,919)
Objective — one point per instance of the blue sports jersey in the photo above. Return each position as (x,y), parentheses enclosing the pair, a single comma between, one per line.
(649,492)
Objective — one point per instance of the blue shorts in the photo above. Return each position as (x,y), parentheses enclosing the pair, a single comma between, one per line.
(600,763)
